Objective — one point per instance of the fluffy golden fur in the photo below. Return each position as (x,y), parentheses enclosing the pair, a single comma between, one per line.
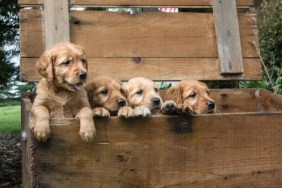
(60,92)
(142,95)
(188,96)
(105,95)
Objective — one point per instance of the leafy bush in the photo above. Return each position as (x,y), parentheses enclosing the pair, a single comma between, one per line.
(269,15)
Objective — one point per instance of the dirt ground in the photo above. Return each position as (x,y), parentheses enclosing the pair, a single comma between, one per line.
(10,161)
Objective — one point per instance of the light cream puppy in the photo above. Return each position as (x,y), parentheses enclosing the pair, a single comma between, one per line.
(60,92)
(143,97)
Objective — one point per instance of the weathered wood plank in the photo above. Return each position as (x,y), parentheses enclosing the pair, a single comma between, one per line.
(221,151)
(31,33)
(127,3)
(228,37)
(251,100)
(56,22)
(154,68)
(237,147)
(26,152)
(141,35)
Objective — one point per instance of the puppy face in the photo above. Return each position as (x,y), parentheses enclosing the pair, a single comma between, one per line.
(143,92)
(65,65)
(106,92)
(193,93)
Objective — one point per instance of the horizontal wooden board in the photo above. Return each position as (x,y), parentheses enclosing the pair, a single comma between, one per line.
(216,150)
(154,68)
(107,34)
(127,3)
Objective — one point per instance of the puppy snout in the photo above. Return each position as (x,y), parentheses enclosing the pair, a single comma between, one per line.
(82,75)
(121,102)
(211,105)
(156,101)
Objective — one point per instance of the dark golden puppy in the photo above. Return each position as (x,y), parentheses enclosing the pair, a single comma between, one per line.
(106,96)
(188,96)
(143,97)
(60,92)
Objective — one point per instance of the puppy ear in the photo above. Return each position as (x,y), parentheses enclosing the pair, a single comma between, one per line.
(174,93)
(90,88)
(45,65)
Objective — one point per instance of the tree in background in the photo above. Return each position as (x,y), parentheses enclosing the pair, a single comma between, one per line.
(269,15)
(9,41)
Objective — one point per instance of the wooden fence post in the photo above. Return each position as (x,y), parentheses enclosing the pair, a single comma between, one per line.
(56,22)
(228,36)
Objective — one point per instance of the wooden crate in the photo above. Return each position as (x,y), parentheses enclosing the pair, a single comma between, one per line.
(239,146)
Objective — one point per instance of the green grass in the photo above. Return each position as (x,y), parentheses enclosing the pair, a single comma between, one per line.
(10,119)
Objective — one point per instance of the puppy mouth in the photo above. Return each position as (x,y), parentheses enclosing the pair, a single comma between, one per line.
(77,86)
(155,108)
(210,111)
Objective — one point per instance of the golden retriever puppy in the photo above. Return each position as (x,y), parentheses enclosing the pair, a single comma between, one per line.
(143,97)
(60,92)
(188,96)
(105,95)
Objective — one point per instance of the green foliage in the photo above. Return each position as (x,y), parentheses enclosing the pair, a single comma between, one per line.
(10,102)
(164,85)
(10,121)
(9,40)
(14,89)
(8,68)
(264,84)
(270,32)
(269,15)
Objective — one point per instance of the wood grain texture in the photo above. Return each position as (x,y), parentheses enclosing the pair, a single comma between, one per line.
(228,36)
(56,22)
(31,33)
(244,3)
(154,68)
(26,152)
(219,150)
(105,34)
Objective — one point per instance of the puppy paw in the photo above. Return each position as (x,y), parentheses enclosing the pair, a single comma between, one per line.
(42,132)
(126,112)
(100,112)
(184,108)
(169,107)
(87,133)
(142,111)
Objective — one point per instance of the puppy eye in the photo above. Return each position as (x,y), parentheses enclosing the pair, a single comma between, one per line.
(84,61)
(104,92)
(156,90)
(139,92)
(66,63)
(208,92)
(192,95)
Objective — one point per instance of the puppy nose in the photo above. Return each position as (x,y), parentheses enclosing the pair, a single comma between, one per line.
(211,105)
(121,102)
(156,100)
(82,75)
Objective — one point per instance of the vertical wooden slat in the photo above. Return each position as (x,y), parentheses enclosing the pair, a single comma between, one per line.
(228,36)
(56,22)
